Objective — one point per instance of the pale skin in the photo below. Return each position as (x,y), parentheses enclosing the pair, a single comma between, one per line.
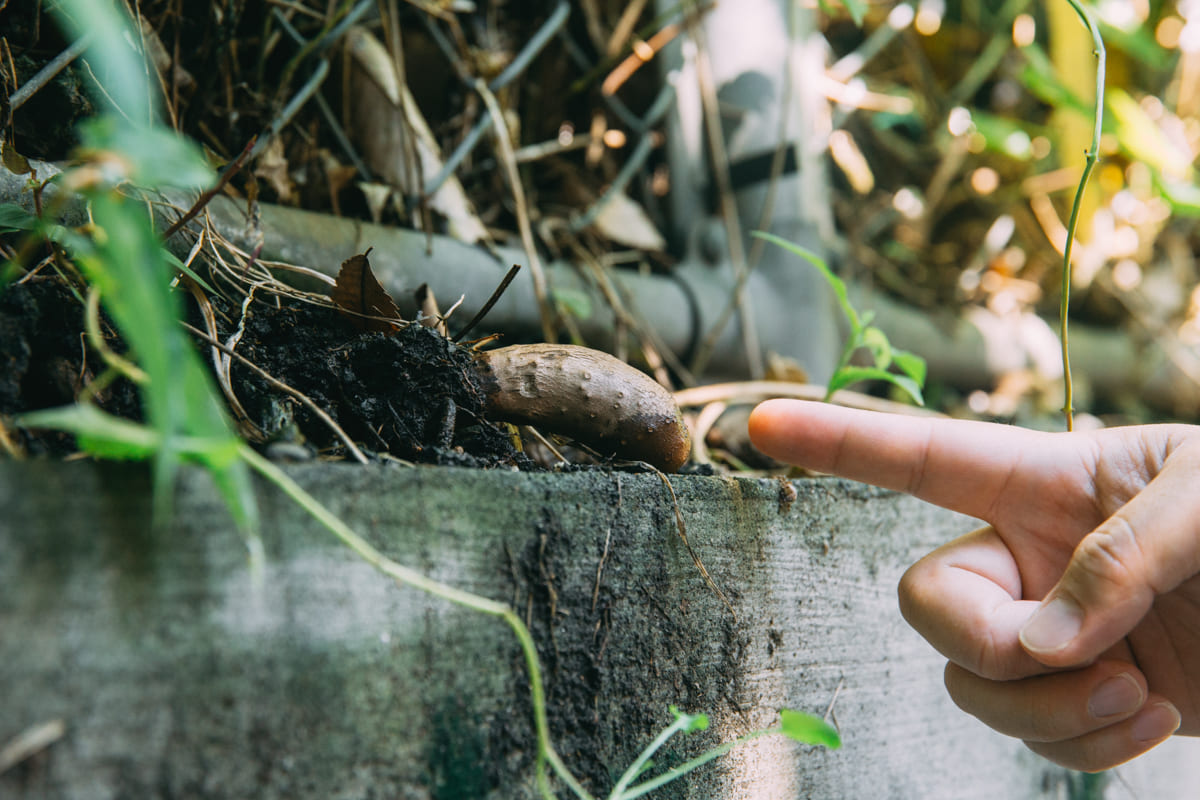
(1072,621)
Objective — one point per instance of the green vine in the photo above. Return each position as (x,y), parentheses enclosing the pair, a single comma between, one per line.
(1090,162)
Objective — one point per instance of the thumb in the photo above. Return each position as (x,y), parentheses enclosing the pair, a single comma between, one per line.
(1147,548)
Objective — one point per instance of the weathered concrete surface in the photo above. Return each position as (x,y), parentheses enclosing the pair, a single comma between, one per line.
(176,676)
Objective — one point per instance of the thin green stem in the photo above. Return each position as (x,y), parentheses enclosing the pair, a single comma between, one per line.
(1092,154)
(852,344)
(675,773)
(417,580)
(635,769)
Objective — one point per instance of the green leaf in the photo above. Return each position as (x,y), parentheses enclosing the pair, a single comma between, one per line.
(186,270)
(153,156)
(1143,138)
(857,9)
(1041,79)
(877,342)
(847,376)
(1184,197)
(910,364)
(835,283)
(111,55)
(1013,138)
(807,729)
(15,218)
(98,433)
(694,722)
(573,302)
(1139,44)
(130,267)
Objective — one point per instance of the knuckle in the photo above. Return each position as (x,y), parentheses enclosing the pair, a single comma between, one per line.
(1111,555)
(912,589)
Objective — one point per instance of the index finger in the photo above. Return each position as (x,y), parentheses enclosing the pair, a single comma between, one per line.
(958,464)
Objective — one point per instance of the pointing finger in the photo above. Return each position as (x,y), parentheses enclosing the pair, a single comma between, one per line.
(957,464)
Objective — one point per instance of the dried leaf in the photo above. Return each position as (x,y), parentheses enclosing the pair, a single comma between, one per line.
(13,161)
(623,221)
(362,299)
(396,142)
(273,168)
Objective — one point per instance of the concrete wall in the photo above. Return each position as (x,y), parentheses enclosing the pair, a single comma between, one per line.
(176,676)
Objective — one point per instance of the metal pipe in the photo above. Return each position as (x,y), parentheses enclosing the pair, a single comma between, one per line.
(969,353)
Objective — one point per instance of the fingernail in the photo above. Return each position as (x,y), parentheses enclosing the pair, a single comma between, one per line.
(1119,695)
(1156,722)
(1052,626)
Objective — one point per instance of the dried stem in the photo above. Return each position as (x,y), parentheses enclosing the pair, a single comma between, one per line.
(505,152)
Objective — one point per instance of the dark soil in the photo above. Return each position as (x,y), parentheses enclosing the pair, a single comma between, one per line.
(413,395)
(45,360)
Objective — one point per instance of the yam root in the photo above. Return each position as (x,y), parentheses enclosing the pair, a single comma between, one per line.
(588,395)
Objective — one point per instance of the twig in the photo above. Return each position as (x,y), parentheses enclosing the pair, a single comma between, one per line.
(285,116)
(221,361)
(645,145)
(504,146)
(592,72)
(703,423)
(604,555)
(339,133)
(92,325)
(682,530)
(98,86)
(283,387)
(9,446)
(522,60)
(299,8)
(624,27)
(993,54)
(508,278)
(47,73)
(829,716)
(852,63)
(207,195)
(643,51)
(546,443)
(729,213)
(652,345)
(778,158)
(30,742)
(1092,154)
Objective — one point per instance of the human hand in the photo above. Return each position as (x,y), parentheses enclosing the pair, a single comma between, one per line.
(1073,620)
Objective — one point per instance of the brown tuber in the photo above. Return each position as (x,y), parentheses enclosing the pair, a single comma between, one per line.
(589,396)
